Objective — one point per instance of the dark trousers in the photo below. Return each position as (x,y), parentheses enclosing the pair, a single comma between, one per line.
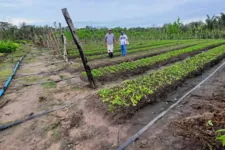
(111,54)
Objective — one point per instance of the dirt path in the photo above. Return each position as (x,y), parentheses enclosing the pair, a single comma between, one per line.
(74,127)
(78,127)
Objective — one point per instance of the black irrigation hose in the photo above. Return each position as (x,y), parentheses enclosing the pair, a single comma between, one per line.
(9,125)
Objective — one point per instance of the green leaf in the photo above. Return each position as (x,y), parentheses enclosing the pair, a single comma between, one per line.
(221,130)
(209,123)
(221,138)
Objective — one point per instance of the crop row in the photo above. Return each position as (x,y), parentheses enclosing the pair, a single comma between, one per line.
(135,47)
(132,51)
(134,94)
(132,46)
(139,66)
(100,46)
(140,55)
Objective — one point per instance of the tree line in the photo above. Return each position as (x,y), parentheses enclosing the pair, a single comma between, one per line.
(212,28)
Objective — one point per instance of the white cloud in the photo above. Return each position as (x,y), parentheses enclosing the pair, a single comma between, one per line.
(15,3)
(18,21)
(185,21)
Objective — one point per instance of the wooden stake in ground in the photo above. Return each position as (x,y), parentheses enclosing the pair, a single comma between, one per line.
(65,54)
(79,47)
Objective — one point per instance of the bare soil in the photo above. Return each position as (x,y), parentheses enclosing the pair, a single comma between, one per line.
(81,126)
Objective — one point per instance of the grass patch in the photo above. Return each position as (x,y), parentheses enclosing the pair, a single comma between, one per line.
(4,74)
(49,85)
(56,134)
(31,79)
(1,54)
(5,64)
(30,60)
(74,88)
(62,77)
(53,126)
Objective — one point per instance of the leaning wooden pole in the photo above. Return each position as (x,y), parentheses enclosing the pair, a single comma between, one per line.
(79,47)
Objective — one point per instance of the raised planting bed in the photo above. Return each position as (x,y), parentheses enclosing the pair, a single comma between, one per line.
(116,54)
(126,69)
(136,56)
(125,99)
(117,48)
(103,53)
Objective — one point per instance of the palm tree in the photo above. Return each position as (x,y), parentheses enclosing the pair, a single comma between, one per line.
(211,22)
(222,19)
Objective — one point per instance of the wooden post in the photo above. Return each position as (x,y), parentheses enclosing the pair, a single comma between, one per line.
(79,47)
(61,33)
(65,53)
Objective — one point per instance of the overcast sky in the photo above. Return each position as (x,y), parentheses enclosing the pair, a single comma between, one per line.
(109,13)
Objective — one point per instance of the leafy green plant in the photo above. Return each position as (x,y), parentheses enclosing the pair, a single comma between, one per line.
(131,92)
(221,136)
(209,123)
(145,63)
(8,46)
(132,49)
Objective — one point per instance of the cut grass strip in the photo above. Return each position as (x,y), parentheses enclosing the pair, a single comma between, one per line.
(4,74)
(142,65)
(49,85)
(134,94)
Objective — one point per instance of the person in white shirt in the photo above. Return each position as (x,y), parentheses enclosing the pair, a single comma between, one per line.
(123,43)
(110,42)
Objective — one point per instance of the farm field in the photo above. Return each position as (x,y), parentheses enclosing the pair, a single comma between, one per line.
(131,91)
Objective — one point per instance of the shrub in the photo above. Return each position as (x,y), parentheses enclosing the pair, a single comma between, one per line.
(8,46)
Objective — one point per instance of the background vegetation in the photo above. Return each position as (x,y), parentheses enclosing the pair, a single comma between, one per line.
(212,28)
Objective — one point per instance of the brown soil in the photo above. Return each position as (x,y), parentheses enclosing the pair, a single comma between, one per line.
(74,127)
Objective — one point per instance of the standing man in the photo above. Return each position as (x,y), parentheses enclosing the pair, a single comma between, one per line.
(110,42)
(123,43)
